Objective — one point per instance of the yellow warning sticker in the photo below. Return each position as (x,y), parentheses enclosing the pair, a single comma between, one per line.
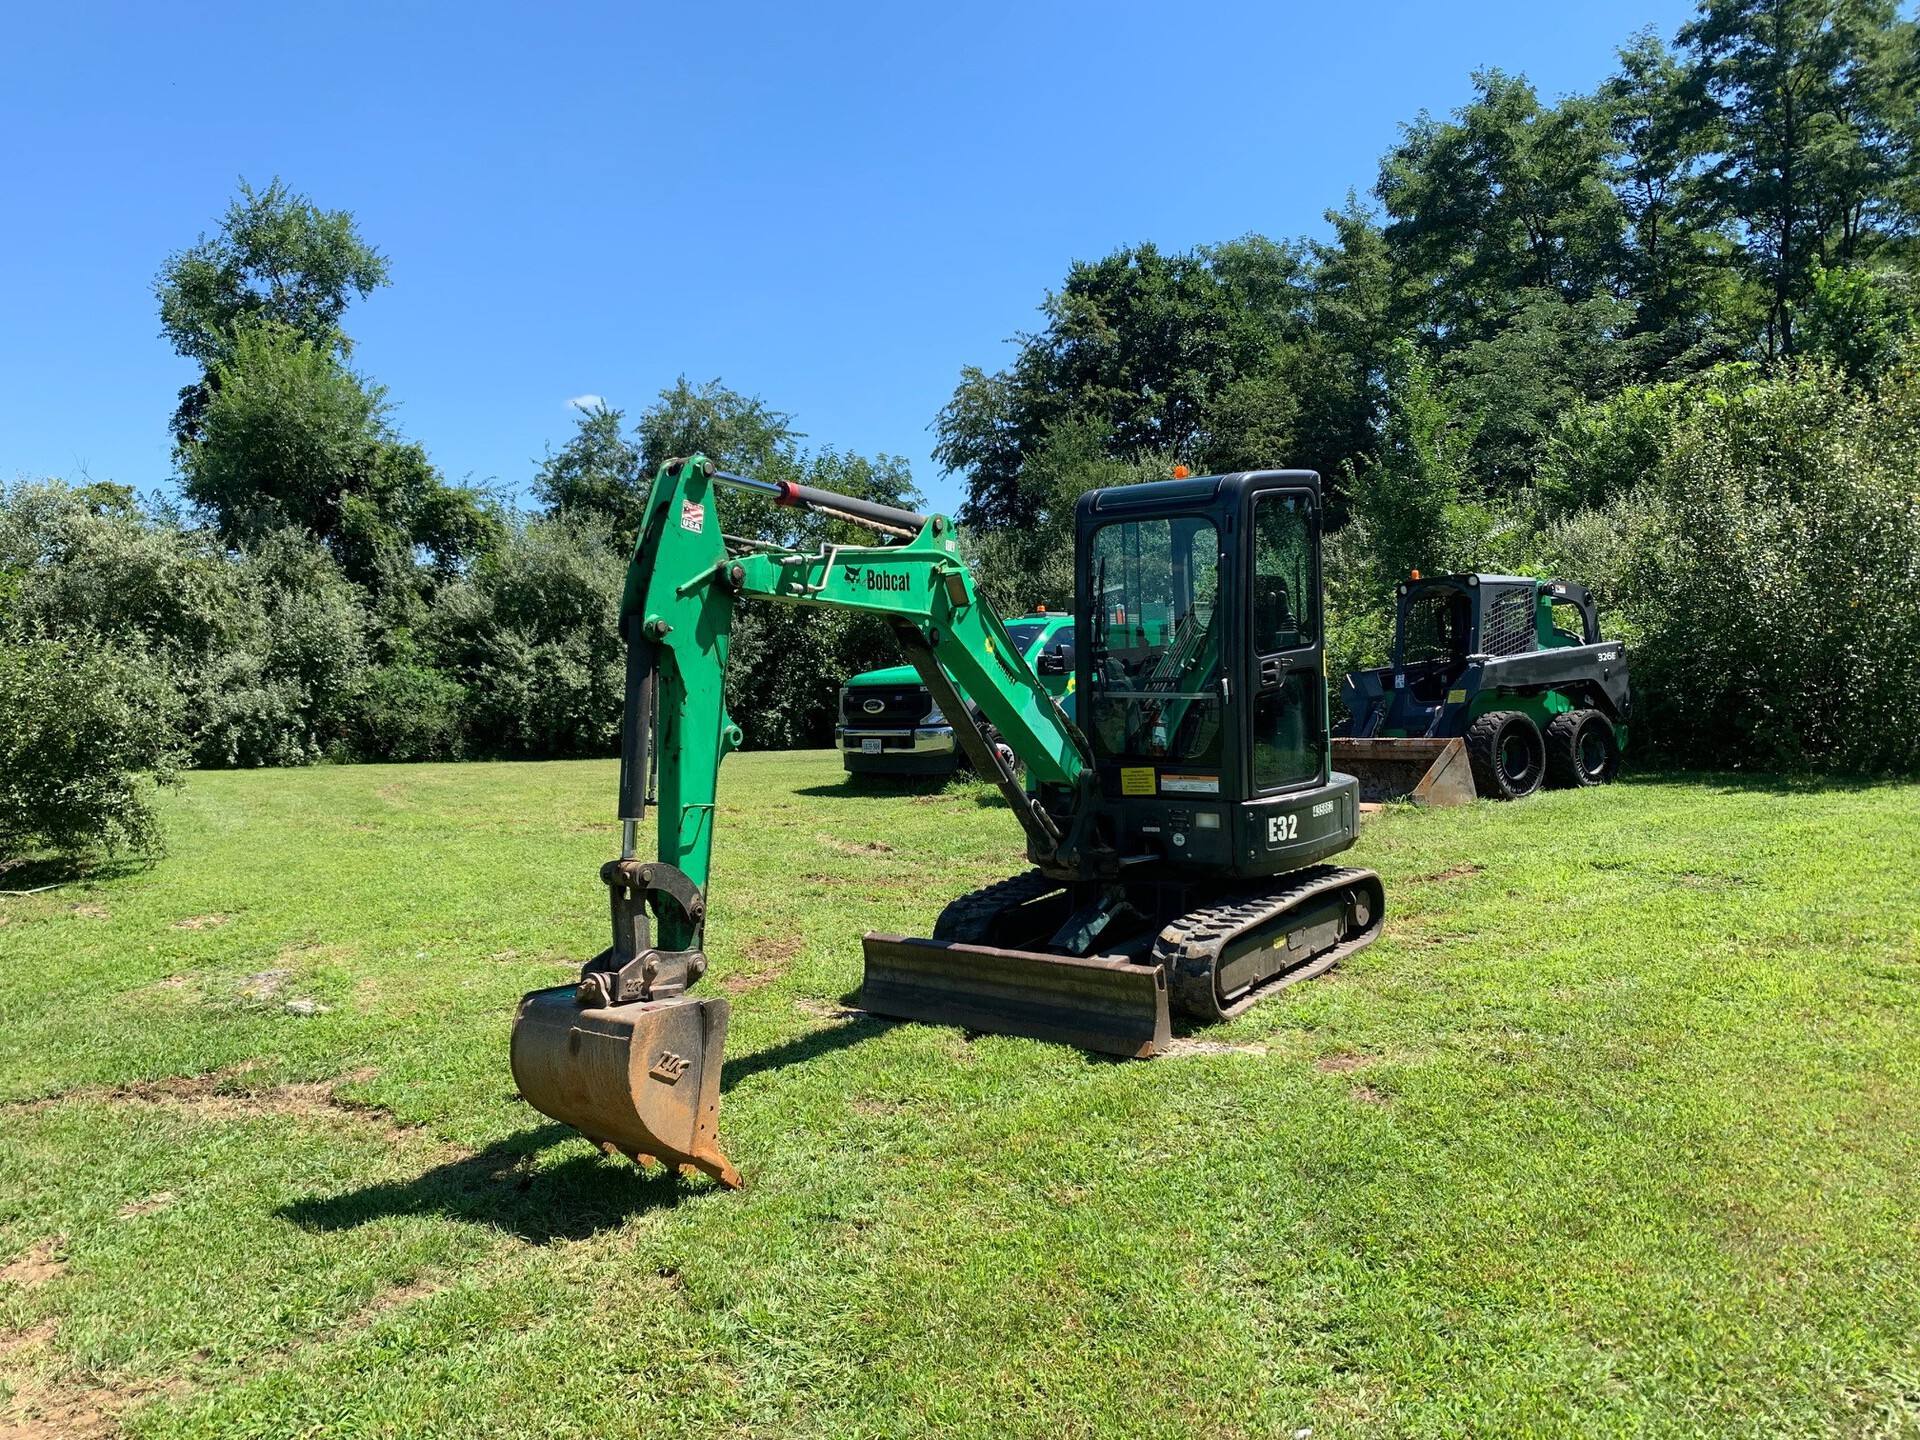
(1456,697)
(1136,780)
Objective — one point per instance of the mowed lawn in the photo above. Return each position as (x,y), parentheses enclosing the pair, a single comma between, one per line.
(1617,1130)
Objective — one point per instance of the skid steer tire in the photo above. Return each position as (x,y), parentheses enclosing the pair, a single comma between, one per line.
(1508,757)
(1581,750)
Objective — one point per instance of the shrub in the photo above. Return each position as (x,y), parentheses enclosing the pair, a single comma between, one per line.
(86,730)
(1775,585)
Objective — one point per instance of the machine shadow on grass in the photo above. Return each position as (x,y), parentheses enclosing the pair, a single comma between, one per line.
(870,787)
(501,1186)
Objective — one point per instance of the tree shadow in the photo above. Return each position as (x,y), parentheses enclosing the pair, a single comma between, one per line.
(1749,782)
(31,873)
(500,1186)
(865,787)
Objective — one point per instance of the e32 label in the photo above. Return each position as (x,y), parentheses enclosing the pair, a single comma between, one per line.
(1282,828)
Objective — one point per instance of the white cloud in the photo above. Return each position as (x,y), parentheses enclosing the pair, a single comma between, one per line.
(586,402)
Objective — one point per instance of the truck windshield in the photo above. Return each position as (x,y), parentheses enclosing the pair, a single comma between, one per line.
(1155,658)
(1024,633)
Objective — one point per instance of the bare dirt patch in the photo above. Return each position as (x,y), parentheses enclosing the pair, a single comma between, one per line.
(1452,872)
(767,959)
(201,922)
(263,984)
(1187,1045)
(1341,1064)
(65,1409)
(825,1010)
(91,912)
(217,1095)
(1367,1095)
(855,847)
(39,1265)
(158,1201)
(15,1342)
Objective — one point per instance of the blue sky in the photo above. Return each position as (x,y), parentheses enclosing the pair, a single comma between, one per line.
(836,207)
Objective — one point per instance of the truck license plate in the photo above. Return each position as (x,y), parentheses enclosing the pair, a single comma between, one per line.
(870,745)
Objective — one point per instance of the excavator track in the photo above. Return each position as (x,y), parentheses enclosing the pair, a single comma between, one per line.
(974,918)
(1222,958)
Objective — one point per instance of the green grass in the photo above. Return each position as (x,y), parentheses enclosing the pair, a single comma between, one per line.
(1617,1130)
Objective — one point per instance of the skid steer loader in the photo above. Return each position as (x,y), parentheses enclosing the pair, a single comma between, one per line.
(1178,832)
(1499,683)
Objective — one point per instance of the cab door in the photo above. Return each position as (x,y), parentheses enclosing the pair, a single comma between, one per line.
(1286,720)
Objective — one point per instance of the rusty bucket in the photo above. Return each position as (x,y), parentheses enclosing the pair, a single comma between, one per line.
(1422,772)
(642,1078)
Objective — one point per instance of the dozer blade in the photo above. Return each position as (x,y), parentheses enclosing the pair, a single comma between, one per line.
(641,1078)
(1425,772)
(1113,1006)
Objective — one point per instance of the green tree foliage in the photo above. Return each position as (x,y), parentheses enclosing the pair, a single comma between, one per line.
(86,734)
(1861,321)
(785,664)
(599,473)
(1817,108)
(291,437)
(278,431)
(531,637)
(278,260)
(1771,589)
(1185,355)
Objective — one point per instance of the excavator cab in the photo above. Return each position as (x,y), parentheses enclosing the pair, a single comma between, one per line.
(1202,684)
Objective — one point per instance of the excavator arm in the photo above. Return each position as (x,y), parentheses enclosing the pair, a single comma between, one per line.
(677,618)
(625,1055)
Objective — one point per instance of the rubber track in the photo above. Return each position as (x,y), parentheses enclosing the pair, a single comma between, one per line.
(969,919)
(1190,947)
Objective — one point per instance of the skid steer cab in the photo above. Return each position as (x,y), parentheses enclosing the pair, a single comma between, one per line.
(1499,684)
(1177,825)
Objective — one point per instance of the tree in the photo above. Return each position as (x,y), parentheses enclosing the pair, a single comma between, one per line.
(1861,321)
(1687,313)
(598,472)
(1180,354)
(1816,102)
(1508,199)
(277,260)
(292,437)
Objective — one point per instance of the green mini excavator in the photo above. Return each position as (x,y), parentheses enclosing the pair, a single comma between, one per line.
(1178,821)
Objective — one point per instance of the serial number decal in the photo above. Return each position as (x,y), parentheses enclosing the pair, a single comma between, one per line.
(1282,828)
(1325,807)
(1190,784)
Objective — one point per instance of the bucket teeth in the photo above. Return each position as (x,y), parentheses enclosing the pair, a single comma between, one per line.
(641,1079)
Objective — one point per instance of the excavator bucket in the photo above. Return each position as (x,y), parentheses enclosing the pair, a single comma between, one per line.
(1424,772)
(1113,1006)
(641,1078)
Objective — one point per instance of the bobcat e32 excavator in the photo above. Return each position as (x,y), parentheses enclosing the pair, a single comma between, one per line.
(1177,830)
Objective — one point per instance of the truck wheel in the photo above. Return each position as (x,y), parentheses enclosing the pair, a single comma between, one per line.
(1507,755)
(1582,749)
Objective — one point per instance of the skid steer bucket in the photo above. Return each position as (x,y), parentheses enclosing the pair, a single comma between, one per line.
(1113,1006)
(641,1078)
(1424,772)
